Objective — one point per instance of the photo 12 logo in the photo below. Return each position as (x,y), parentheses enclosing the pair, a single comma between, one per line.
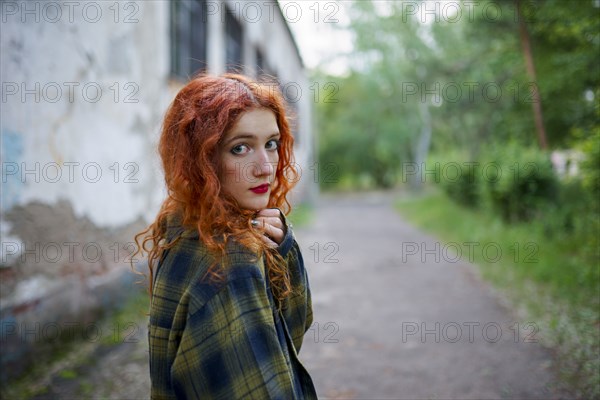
(470,91)
(53,92)
(452,332)
(454,172)
(67,252)
(453,252)
(69,172)
(293,11)
(36,332)
(53,12)
(449,11)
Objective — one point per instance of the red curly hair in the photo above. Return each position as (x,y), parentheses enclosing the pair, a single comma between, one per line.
(194,126)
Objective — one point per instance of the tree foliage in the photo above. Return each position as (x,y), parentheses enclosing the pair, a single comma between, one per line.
(460,78)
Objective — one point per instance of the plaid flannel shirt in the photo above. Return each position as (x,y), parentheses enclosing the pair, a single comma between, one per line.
(226,341)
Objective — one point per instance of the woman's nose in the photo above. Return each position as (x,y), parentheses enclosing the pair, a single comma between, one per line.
(263,165)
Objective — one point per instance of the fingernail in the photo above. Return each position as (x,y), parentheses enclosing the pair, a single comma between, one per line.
(254,222)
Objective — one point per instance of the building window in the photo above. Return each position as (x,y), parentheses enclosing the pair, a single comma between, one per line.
(188,37)
(233,43)
(260,63)
(291,97)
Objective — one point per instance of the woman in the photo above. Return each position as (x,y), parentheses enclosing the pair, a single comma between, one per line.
(230,298)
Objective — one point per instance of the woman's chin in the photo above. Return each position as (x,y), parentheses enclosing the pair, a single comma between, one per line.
(255,204)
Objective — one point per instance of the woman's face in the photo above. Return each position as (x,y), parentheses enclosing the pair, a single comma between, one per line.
(249,158)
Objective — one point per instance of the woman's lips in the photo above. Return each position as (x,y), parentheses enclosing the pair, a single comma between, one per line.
(260,189)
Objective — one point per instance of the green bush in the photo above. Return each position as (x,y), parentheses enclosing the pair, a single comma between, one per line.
(516,182)
(574,203)
(462,184)
(590,167)
(519,182)
(589,226)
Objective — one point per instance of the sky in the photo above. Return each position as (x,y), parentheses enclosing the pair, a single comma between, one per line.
(318,28)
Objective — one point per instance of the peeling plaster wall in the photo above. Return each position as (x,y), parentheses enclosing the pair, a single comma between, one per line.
(89,95)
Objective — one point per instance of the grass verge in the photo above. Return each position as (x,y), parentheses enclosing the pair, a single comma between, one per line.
(301,215)
(546,278)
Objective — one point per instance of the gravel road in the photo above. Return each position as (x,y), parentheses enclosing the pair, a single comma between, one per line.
(390,326)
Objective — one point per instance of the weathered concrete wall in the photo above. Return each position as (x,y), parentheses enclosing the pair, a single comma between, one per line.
(84,87)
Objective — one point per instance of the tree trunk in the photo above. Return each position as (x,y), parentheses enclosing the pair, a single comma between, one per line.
(423,144)
(537,102)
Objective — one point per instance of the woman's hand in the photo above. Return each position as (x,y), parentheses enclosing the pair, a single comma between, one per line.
(270,221)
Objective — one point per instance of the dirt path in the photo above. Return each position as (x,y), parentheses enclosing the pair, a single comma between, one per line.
(406,328)
(387,325)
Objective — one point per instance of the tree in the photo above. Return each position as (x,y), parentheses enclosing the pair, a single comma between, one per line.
(537,103)
(462,83)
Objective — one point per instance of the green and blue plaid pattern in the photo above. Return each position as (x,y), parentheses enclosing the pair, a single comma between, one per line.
(227,341)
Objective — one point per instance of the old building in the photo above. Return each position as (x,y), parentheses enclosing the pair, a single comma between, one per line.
(84,89)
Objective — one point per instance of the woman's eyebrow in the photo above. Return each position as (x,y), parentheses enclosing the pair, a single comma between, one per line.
(250,136)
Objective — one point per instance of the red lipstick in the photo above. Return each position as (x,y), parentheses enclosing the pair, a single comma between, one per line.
(260,189)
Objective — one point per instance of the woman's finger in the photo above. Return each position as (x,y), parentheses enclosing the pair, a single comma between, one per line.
(274,233)
(273,227)
(269,212)
(273,221)
(276,221)
(269,242)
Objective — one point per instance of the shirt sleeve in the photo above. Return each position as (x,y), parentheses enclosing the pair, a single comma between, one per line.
(229,347)
(288,239)
(297,310)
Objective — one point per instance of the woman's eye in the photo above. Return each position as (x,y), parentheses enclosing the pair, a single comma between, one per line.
(240,149)
(273,144)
